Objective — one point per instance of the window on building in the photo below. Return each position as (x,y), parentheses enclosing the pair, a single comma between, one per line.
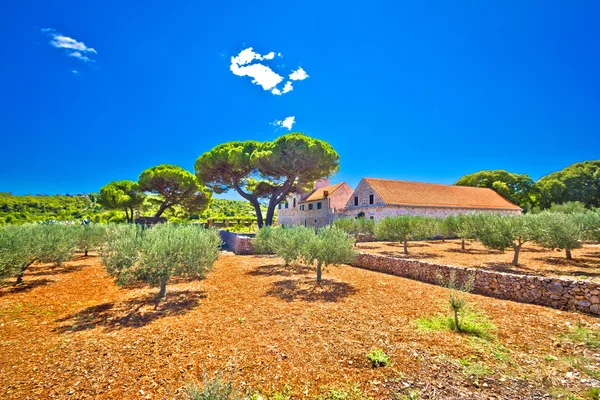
(286,204)
(371,217)
(315,221)
(301,207)
(318,205)
(370,199)
(294,203)
(279,206)
(310,206)
(355,200)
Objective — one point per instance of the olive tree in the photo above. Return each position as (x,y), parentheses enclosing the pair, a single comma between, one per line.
(359,227)
(403,228)
(157,254)
(329,246)
(90,237)
(287,243)
(264,240)
(56,242)
(18,250)
(500,232)
(561,231)
(462,226)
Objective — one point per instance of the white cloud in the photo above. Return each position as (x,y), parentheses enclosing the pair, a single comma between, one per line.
(285,123)
(80,56)
(247,63)
(75,72)
(72,47)
(298,75)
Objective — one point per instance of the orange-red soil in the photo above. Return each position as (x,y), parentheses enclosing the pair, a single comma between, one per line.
(533,259)
(69,332)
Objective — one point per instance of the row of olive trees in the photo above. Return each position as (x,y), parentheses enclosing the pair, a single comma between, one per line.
(318,248)
(23,245)
(550,229)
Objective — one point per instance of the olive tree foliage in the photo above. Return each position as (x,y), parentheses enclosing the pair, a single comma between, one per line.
(500,232)
(18,250)
(90,237)
(288,243)
(264,239)
(122,195)
(403,228)
(462,226)
(356,227)
(561,231)
(174,186)
(157,254)
(329,246)
(56,242)
(267,170)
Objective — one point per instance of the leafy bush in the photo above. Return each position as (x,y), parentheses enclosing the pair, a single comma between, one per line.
(18,250)
(561,231)
(404,228)
(288,243)
(356,227)
(330,246)
(472,322)
(91,237)
(157,254)
(378,358)
(57,242)
(263,241)
(212,389)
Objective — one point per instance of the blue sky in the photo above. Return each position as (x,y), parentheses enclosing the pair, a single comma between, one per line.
(421,90)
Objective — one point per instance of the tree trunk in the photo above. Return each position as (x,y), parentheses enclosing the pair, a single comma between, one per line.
(515,260)
(20,275)
(163,207)
(254,201)
(319,273)
(456,325)
(462,243)
(276,198)
(568,251)
(127,218)
(85,254)
(405,247)
(161,293)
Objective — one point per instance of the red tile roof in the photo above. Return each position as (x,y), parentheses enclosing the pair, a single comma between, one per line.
(320,193)
(436,195)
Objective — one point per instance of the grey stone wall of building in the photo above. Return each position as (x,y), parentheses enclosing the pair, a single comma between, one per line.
(238,244)
(553,292)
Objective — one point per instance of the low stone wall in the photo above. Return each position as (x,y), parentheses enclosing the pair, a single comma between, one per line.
(553,292)
(239,244)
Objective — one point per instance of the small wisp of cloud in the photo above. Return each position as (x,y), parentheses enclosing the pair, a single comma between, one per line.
(248,63)
(285,123)
(72,47)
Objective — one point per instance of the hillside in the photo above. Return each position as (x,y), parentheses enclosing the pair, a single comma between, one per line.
(21,209)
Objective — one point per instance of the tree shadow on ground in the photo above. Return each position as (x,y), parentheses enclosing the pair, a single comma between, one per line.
(49,269)
(280,270)
(410,244)
(306,289)
(578,262)
(592,254)
(27,285)
(132,313)
(409,256)
(473,251)
(507,267)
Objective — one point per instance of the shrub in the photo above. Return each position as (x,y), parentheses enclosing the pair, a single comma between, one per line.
(18,250)
(472,322)
(378,358)
(91,237)
(394,229)
(561,231)
(356,227)
(330,246)
(161,252)
(288,243)
(57,242)
(212,389)
(263,241)
(122,250)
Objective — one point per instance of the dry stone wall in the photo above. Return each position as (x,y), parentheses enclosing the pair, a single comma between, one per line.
(553,292)
(239,244)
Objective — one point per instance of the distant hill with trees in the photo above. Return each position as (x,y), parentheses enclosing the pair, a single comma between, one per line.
(38,208)
(577,182)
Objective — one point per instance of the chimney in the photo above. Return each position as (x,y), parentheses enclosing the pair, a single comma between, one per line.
(325,193)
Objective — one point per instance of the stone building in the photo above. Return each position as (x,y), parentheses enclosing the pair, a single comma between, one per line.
(379,198)
(317,208)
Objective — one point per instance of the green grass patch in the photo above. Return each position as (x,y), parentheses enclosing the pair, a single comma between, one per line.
(582,334)
(351,392)
(471,322)
(378,358)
